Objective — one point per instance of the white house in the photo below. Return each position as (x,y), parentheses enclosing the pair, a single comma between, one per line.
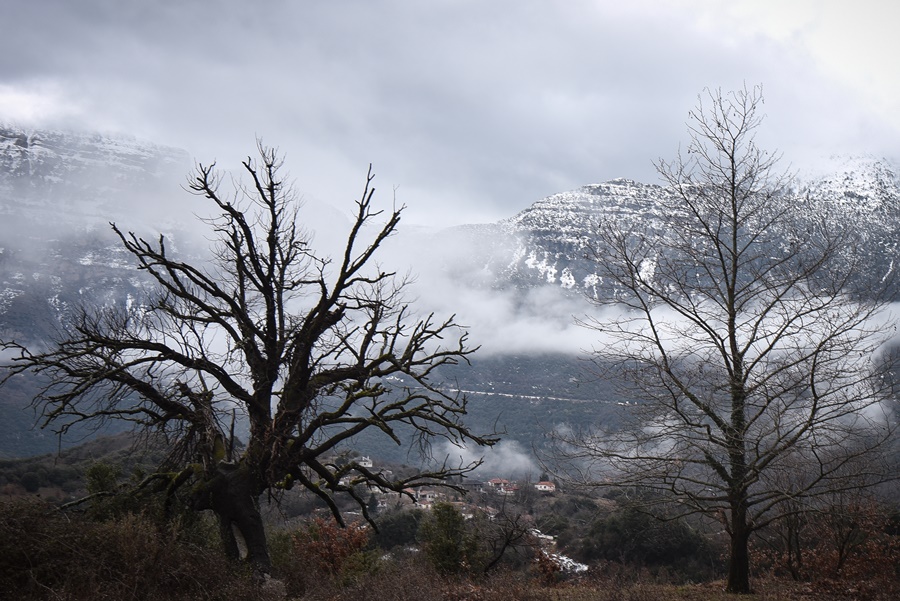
(545,487)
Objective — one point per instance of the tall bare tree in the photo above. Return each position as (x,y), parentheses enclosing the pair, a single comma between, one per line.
(310,351)
(736,335)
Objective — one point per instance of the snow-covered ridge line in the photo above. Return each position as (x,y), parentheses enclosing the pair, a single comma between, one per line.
(550,240)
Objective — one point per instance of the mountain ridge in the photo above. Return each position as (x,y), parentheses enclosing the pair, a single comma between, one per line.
(58,191)
(554,234)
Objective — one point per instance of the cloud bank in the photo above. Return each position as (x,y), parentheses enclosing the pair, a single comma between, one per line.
(474,109)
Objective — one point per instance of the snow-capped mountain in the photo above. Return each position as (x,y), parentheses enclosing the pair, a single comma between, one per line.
(58,191)
(59,177)
(551,242)
(556,234)
(863,191)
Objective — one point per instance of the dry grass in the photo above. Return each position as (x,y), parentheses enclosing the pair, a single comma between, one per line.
(411,579)
(413,582)
(714,591)
(47,555)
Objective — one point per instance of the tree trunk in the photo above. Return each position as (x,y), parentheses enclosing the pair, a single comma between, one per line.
(230,495)
(794,548)
(739,556)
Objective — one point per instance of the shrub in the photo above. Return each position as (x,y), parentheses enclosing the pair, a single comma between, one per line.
(854,541)
(398,528)
(102,478)
(45,554)
(450,548)
(322,555)
(31,481)
(630,536)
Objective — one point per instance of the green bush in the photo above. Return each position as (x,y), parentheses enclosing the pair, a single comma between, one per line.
(449,546)
(31,481)
(102,478)
(630,536)
(398,528)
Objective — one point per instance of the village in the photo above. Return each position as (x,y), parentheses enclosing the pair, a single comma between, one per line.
(512,505)
(487,498)
(478,492)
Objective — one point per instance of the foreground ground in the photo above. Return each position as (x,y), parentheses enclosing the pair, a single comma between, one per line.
(111,548)
(48,555)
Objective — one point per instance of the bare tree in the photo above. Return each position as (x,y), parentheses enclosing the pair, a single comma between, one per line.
(736,335)
(310,351)
(509,532)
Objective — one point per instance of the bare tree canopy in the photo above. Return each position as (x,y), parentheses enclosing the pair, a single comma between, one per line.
(758,378)
(310,351)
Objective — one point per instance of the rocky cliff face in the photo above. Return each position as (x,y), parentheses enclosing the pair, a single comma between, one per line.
(58,192)
(68,177)
(557,234)
(551,242)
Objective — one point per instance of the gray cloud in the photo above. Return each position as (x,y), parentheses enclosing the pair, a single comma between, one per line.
(506,459)
(474,109)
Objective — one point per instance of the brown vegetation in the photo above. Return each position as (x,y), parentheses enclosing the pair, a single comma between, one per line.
(46,554)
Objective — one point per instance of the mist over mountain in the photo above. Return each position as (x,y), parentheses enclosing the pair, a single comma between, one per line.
(551,242)
(60,179)
(516,284)
(58,193)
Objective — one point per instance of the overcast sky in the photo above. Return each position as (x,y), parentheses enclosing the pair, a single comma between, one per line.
(471,110)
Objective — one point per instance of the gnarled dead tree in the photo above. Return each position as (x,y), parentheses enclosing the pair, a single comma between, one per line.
(310,351)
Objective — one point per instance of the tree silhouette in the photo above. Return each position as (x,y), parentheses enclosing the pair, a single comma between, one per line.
(309,351)
(759,379)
